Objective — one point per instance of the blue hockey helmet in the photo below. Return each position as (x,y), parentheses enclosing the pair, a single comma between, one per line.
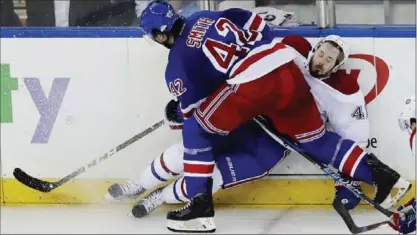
(158,15)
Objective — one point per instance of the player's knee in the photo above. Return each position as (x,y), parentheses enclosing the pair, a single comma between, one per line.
(172,158)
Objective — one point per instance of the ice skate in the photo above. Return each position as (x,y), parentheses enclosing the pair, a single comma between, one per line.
(196,217)
(385,180)
(148,204)
(124,192)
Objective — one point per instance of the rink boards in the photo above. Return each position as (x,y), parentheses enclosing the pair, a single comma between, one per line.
(70,95)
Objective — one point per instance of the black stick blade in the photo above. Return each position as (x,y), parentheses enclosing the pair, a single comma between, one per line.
(347,218)
(32,182)
(371,227)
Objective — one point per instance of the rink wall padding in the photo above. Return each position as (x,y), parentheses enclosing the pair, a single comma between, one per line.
(1,192)
(262,193)
(75,93)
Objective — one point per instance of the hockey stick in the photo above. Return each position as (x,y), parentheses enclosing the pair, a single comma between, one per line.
(347,218)
(335,175)
(46,187)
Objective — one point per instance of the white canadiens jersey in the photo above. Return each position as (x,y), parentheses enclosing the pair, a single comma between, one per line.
(343,113)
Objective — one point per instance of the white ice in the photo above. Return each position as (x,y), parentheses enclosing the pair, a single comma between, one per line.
(111,219)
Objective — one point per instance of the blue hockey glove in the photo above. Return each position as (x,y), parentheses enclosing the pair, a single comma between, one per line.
(405,223)
(343,194)
(173,115)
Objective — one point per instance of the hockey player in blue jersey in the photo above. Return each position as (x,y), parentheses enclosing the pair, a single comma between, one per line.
(225,68)
(205,50)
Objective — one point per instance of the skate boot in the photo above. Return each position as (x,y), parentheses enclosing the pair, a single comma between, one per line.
(148,204)
(386,179)
(196,217)
(124,192)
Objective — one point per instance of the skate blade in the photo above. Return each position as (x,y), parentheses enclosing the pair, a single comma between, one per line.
(199,225)
(403,187)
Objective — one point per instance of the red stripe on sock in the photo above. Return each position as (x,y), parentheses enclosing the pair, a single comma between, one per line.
(183,188)
(352,158)
(164,166)
(198,168)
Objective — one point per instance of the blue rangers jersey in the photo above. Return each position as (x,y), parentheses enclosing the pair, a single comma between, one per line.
(213,47)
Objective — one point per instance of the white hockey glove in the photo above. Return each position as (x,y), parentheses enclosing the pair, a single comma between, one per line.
(173,115)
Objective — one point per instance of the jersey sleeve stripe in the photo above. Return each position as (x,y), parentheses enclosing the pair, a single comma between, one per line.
(203,114)
(313,137)
(255,23)
(310,136)
(205,108)
(307,134)
(189,110)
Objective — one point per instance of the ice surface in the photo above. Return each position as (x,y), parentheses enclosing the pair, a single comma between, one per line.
(112,219)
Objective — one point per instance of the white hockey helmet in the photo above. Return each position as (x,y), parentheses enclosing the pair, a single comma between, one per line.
(341,45)
(408,114)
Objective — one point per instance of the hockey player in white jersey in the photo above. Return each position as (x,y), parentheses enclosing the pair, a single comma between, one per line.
(342,104)
(335,97)
(340,100)
(407,121)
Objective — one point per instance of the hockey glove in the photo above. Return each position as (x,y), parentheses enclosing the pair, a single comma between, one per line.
(405,223)
(343,194)
(173,115)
